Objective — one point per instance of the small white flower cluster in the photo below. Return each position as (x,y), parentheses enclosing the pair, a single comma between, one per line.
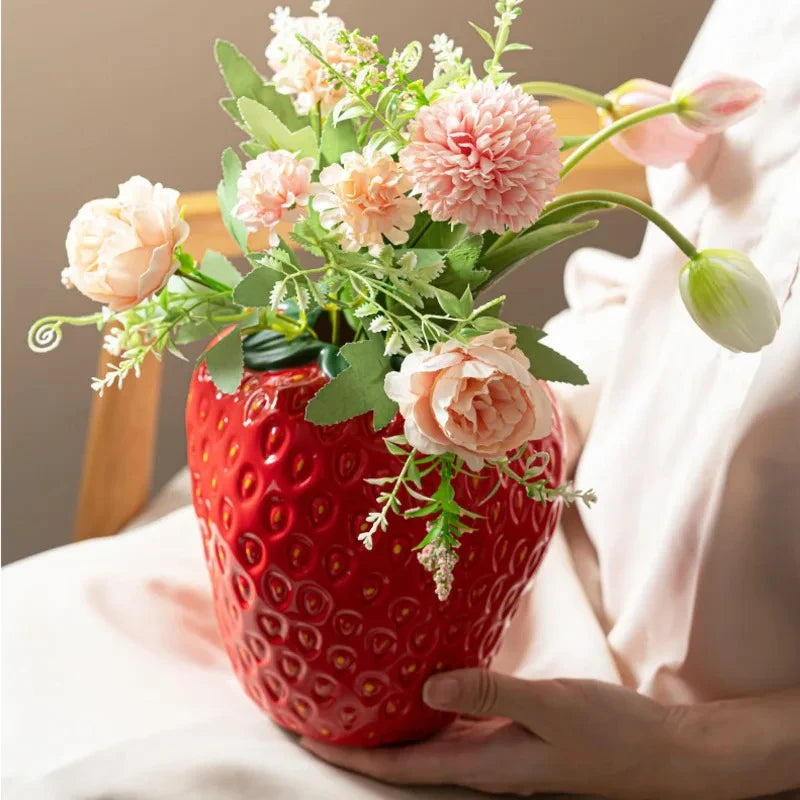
(508,11)
(448,59)
(279,18)
(66,281)
(440,560)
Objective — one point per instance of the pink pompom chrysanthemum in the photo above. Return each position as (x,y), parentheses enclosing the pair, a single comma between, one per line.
(271,189)
(486,156)
(366,200)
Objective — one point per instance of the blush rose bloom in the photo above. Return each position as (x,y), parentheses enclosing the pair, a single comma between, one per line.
(477,400)
(121,250)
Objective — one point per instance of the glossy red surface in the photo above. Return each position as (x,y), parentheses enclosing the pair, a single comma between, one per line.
(331,640)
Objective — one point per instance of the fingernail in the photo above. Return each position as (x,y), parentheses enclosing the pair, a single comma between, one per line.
(441,692)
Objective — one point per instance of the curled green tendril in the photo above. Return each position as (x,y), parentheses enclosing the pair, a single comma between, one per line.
(45,334)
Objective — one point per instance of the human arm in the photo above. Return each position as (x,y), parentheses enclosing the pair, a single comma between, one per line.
(589,737)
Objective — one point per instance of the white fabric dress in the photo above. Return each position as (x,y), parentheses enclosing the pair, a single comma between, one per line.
(683,581)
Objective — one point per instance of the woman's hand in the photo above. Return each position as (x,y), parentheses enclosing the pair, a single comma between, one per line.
(575,736)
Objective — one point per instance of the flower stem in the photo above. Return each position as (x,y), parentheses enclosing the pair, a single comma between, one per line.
(206,280)
(632,203)
(553,89)
(620,125)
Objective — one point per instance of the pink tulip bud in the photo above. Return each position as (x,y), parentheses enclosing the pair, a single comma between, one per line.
(659,142)
(717,102)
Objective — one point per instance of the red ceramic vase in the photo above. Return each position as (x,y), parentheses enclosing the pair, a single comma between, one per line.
(332,640)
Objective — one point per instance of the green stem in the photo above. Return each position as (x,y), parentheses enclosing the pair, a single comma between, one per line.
(501,240)
(612,130)
(206,280)
(553,89)
(334,315)
(420,234)
(632,203)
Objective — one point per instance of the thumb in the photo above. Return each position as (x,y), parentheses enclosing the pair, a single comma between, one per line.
(481,693)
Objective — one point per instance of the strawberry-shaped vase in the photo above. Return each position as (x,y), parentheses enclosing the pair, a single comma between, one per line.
(332,640)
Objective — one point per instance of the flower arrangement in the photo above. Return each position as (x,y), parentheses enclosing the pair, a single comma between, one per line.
(410,199)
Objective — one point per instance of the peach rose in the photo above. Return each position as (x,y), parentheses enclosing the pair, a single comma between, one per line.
(122,250)
(476,400)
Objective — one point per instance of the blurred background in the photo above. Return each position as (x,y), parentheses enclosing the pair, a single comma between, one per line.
(97,90)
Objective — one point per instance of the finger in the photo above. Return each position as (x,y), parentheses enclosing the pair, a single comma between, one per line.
(482,693)
(429,763)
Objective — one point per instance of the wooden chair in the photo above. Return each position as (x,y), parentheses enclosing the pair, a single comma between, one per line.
(113,489)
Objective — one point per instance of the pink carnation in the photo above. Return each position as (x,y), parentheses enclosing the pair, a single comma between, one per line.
(270,188)
(486,156)
(366,200)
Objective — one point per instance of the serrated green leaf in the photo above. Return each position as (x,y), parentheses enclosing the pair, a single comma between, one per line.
(254,289)
(336,140)
(225,362)
(216,266)
(266,127)
(358,389)
(485,35)
(527,335)
(533,242)
(243,80)
(227,195)
(546,363)
(461,271)
(569,213)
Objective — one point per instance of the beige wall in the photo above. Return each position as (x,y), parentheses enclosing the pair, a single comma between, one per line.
(96,90)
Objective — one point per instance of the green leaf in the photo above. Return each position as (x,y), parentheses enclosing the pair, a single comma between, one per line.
(509,48)
(336,140)
(546,363)
(227,196)
(216,266)
(527,336)
(434,235)
(569,213)
(451,304)
(225,362)
(461,271)
(270,350)
(265,127)
(243,80)
(533,242)
(358,389)
(254,289)
(485,35)
(252,149)
(486,324)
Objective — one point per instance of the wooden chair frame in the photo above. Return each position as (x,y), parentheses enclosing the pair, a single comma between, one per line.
(120,447)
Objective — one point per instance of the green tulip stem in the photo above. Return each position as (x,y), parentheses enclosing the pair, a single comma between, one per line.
(632,203)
